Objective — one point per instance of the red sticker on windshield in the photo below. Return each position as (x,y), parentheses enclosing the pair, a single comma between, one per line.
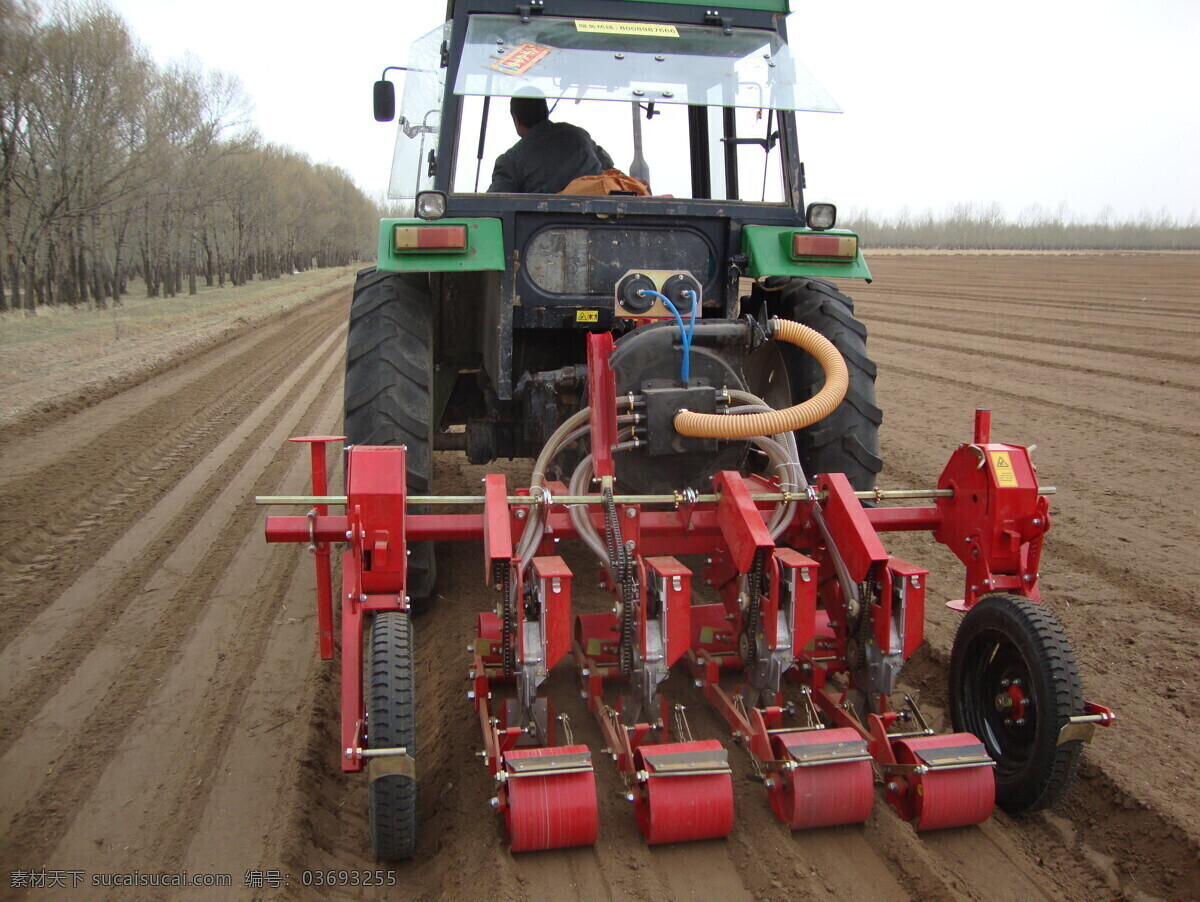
(521,59)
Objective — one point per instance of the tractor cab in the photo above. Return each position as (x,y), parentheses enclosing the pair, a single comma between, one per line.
(697,104)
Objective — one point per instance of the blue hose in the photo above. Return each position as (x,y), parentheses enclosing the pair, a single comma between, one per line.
(685,335)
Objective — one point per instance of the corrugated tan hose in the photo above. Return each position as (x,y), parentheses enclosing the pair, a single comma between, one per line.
(819,406)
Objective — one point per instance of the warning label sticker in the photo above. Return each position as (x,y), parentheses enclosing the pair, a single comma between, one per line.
(520,59)
(587,316)
(651,29)
(1003,468)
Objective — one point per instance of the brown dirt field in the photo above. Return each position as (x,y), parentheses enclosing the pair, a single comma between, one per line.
(162,706)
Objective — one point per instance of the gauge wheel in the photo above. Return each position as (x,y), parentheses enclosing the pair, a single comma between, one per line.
(391,723)
(1014,685)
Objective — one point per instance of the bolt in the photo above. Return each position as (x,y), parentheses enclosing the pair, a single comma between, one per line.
(619,56)
(631,512)
(659,57)
(893,786)
(494,801)
(363,599)
(349,753)
(520,513)
(1020,721)
(1008,721)
(1004,684)
(629,795)
(1017,683)
(1037,521)
(349,535)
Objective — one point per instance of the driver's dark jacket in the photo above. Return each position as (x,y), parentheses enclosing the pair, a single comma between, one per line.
(546,160)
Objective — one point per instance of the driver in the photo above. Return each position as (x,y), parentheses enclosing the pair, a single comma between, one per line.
(548,156)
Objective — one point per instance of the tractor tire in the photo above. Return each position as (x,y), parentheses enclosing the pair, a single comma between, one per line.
(1011,657)
(846,441)
(389,391)
(391,717)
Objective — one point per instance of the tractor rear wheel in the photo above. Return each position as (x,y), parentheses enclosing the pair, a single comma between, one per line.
(389,390)
(846,441)
(1014,684)
(391,716)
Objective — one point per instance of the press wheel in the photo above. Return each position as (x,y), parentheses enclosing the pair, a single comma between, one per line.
(941,798)
(821,795)
(682,808)
(551,811)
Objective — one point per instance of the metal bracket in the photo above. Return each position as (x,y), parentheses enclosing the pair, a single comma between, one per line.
(829,753)
(713,17)
(540,766)
(389,763)
(688,764)
(954,757)
(525,10)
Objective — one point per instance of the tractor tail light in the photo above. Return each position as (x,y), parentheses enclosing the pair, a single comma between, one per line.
(837,247)
(431,238)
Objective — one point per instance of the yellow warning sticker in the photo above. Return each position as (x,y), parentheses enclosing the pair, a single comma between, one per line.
(651,29)
(1002,466)
(587,316)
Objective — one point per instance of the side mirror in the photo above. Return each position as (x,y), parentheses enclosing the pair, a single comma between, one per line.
(385,101)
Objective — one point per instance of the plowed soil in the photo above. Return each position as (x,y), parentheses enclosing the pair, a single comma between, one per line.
(163,708)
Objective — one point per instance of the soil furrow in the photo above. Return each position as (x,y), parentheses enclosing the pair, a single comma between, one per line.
(151,630)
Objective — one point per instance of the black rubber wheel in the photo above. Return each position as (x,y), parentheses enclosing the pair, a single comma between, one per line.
(846,441)
(389,390)
(1011,658)
(391,717)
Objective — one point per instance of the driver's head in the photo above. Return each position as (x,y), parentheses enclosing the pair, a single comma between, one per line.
(528,112)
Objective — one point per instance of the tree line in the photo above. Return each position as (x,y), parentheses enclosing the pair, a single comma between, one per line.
(986,227)
(112,167)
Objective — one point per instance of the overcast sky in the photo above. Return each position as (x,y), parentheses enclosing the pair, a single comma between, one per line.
(1087,103)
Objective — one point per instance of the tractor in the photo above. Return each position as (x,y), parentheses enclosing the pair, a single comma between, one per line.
(696,394)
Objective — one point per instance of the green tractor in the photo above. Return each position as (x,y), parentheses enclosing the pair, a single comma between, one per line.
(470,332)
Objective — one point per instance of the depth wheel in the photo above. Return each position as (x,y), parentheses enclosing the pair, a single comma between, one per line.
(1014,684)
(391,717)
(389,391)
(846,441)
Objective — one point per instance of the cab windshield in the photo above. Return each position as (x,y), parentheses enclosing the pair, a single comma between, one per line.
(644,91)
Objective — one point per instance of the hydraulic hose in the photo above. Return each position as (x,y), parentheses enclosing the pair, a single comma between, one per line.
(819,406)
